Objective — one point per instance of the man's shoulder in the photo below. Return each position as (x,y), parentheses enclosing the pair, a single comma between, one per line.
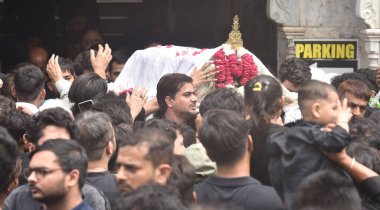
(105,182)
(20,198)
(237,191)
(95,198)
(229,183)
(83,206)
(105,179)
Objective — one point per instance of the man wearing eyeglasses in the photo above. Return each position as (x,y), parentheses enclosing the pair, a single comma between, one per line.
(56,174)
(357,94)
(53,180)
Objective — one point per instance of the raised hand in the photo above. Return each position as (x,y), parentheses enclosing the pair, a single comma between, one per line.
(53,69)
(136,101)
(344,114)
(101,60)
(204,75)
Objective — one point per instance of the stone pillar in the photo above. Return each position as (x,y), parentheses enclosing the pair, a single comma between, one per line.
(369,12)
(287,14)
(291,33)
(371,40)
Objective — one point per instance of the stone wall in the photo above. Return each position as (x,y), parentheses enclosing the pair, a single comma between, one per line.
(326,19)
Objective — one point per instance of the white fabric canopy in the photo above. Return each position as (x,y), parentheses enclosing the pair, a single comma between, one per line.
(146,67)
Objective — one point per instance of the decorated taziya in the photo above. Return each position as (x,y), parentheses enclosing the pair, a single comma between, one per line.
(234,65)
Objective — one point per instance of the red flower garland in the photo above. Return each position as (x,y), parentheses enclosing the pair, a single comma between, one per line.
(232,70)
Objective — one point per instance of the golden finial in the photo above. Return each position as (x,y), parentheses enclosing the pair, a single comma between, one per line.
(234,39)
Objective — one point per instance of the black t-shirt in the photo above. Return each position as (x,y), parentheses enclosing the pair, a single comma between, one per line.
(105,182)
(245,192)
(371,189)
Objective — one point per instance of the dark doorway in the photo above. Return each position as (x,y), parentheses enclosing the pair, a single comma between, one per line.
(197,23)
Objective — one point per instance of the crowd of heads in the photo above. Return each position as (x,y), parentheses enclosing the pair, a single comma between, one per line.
(95,138)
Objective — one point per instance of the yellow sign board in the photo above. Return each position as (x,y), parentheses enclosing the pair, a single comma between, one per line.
(326,49)
(328,53)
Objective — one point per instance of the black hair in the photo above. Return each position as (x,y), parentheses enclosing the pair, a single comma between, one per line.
(28,82)
(33,134)
(6,105)
(168,127)
(115,106)
(375,117)
(8,84)
(183,178)
(262,97)
(370,75)
(222,98)
(66,65)
(335,81)
(294,70)
(365,155)
(169,85)
(120,135)
(365,130)
(312,91)
(70,156)
(84,88)
(120,57)
(151,196)
(95,131)
(57,117)
(224,132)
(8,158)
(262,103)
(82,62)
(17,123)
(328,191)
(189,135)
(160,149)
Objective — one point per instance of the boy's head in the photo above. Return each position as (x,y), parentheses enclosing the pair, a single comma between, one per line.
(318,102)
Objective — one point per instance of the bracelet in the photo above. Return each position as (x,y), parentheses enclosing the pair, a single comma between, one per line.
(352,163)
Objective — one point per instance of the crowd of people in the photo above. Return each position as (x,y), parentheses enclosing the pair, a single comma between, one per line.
(67,142)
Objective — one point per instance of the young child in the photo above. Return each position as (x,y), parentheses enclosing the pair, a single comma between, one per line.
(324,128)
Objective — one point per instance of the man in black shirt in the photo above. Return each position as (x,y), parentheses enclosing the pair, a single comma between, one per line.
(97,136)
(225,136)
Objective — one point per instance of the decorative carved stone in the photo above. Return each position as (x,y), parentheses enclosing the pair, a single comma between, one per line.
(368,10)
(285,12)
(291,33)
(371,39)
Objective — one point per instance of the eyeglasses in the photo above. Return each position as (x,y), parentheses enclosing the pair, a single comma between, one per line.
(40,172)
(354,106)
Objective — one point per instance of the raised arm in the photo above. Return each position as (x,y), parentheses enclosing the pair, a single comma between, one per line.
(101,60)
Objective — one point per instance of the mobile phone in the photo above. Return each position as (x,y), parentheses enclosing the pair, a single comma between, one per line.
(85,105)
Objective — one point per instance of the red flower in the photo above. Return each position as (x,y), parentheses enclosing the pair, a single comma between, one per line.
(234,70)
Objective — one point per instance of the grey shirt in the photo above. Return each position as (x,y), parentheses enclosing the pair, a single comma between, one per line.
(21,199)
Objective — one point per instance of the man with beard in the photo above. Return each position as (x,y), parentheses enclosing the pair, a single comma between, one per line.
(358,95)
(143,159)
(177,99)
(56,173)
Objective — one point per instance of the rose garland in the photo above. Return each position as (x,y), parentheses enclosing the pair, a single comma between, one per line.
(235,68)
